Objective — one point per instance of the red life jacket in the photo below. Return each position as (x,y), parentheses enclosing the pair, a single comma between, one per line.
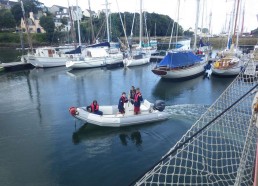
(123,99)
(94,107)
(136,96)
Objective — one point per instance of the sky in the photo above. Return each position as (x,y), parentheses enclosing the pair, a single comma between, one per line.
(220,10)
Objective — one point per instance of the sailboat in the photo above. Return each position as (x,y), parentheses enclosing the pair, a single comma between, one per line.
(52,56)
(230,62)
(96,55)
(138,57)
(181,64)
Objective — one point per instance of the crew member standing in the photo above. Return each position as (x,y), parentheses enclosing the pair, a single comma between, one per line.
(137,101)
(123,99)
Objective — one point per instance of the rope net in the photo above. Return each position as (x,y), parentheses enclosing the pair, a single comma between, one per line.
(219,149)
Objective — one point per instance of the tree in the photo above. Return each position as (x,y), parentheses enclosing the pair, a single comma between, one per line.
(48,24)
(6,19)
(188,33)
(205,30)
(255,32)
(29,6)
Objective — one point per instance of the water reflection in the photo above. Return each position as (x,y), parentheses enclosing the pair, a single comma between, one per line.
(94,133)
(135,137)
(173,88)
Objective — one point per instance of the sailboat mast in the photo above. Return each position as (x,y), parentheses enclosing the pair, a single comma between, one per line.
(140,36)
(72,23)
(236,17)
(196,23)
(92,30)
(78,23)
(26,26)
(108,36)
(177,21)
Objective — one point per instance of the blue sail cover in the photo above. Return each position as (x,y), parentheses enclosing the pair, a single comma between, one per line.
(75,51)
(179,59)
(103,44)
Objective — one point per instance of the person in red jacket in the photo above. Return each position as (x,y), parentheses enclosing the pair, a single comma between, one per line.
(95,108)
(137,101)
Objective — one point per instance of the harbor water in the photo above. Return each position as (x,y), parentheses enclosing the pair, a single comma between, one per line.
(42,144)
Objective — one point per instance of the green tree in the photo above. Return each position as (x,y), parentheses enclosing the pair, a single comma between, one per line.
(255,32)
(6,19)
(205,30)
(48,24)
(188,33)
(29,6)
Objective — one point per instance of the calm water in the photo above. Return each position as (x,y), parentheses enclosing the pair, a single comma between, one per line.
(41,144)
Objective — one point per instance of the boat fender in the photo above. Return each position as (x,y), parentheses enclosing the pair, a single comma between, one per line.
(159,105)
(73,111)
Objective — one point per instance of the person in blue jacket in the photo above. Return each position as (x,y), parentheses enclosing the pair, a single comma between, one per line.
(123,99)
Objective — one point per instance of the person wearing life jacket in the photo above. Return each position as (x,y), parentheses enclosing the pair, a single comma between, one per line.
(95,108)
(123,99)
(132,94)
(137,101)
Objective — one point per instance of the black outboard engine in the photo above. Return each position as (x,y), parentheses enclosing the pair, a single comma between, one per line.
(159,105)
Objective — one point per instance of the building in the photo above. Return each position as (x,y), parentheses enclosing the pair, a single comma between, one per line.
(33,24)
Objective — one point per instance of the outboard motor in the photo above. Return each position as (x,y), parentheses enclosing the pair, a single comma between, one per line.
(159,105)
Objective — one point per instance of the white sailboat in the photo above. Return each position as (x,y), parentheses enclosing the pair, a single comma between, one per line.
(93,57)
(138,57)
(52,56)
(96,55)
(181,64)
(230,62)
(49,57)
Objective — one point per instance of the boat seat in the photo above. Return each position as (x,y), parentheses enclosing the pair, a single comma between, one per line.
(108,110)
(146,105)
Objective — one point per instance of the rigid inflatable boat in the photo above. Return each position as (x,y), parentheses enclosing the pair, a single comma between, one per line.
(149,112)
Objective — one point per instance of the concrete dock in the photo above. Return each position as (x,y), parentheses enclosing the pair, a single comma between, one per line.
(16,66)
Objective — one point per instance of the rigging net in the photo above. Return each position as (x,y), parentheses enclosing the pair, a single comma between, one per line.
(219,149)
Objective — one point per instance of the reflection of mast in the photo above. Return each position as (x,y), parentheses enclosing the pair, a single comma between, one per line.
(26,26)
(38,100)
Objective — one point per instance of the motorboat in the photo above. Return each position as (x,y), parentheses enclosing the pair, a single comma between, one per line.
(180,65)
(149,112)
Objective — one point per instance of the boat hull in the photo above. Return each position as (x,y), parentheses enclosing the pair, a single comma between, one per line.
(226,72)
(180,73)
(129,62)
(43,62)
(94,62)
(112,118)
